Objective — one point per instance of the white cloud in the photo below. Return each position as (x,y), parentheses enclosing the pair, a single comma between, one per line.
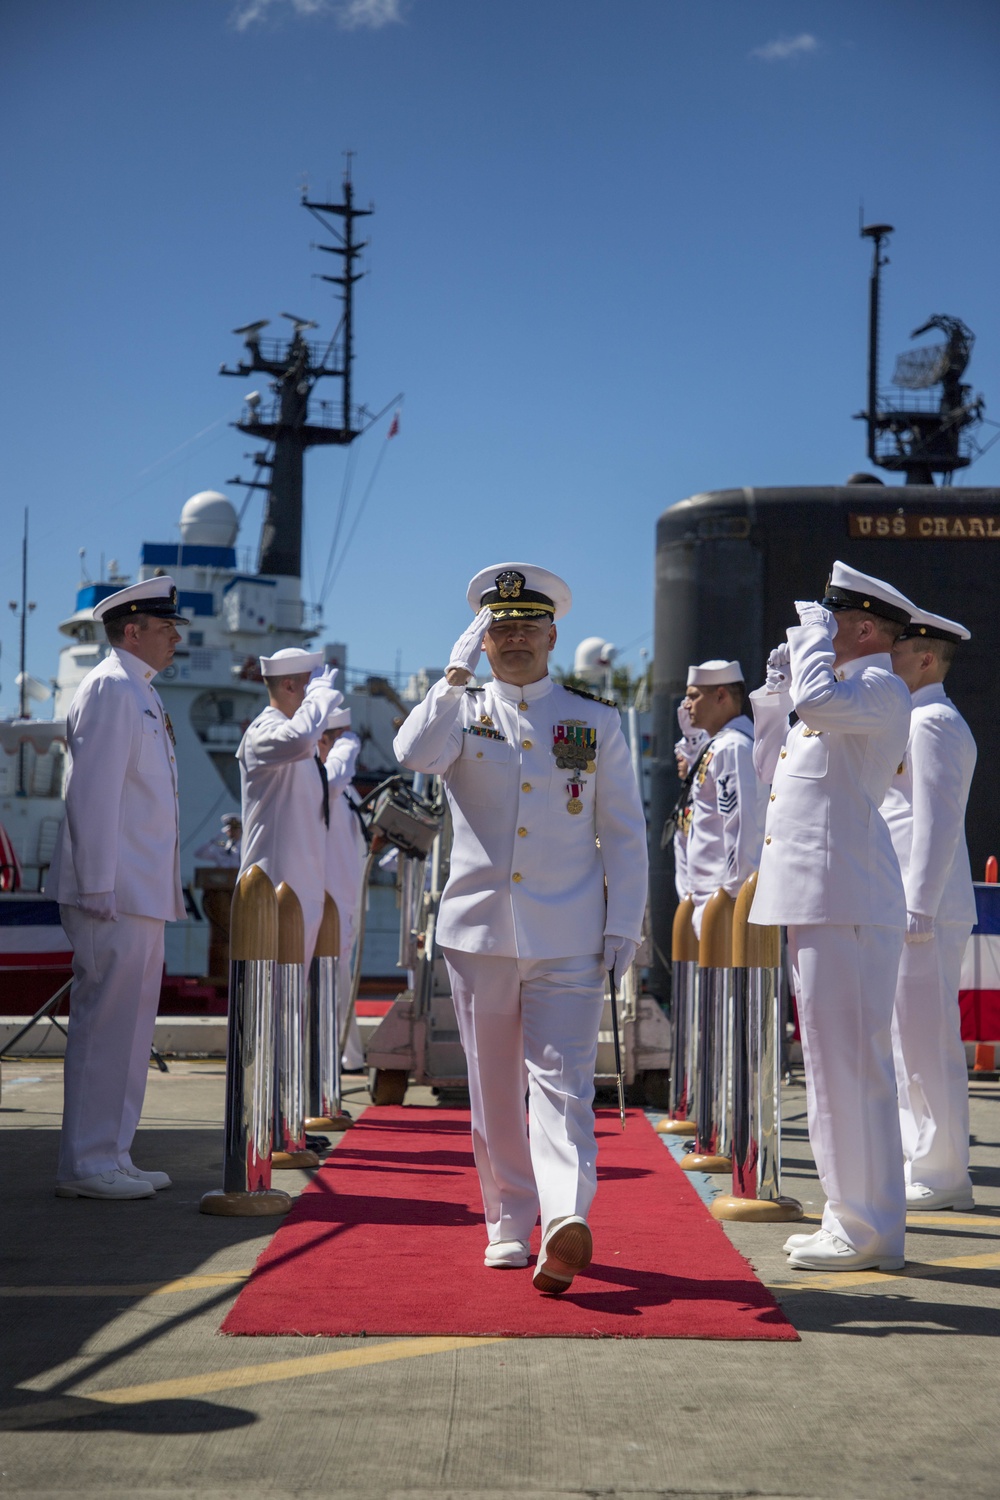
(351,15)
(787,48)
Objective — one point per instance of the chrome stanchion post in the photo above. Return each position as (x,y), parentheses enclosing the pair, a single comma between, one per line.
(290,1058)
(756,1193)
(253,948)
(323,1053)
(684,1020)
(712,1103)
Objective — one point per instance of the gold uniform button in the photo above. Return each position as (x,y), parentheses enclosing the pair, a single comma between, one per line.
(783,754)
(515,876)
(528,744)
(522,706)
(525,786)
(768,839)
(479,755)
(522,833)
(772,796)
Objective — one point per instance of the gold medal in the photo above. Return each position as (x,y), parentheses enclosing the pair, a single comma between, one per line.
(575,805)
(591,767)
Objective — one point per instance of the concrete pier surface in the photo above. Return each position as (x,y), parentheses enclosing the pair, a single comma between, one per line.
(117,1382)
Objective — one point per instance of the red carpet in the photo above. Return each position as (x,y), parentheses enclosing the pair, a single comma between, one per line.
(389,1239)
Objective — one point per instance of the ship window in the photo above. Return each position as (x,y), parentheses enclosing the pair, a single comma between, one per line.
(196,638)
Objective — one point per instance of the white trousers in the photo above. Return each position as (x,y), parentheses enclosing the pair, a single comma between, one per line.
(354,1054)
(845,981)
(530,1025)
(932,1078)
(117,973)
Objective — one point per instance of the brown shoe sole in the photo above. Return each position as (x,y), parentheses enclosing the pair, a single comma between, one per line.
(568,1251)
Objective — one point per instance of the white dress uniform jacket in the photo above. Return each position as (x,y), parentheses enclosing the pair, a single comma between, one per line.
(527,875)
(924,809)
(283,828)
(827,855)
(120,832)
(345,845)
(728,806)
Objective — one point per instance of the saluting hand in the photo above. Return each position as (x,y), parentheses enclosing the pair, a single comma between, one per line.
(779,672)
(468,648)
(810,612)
(322,677)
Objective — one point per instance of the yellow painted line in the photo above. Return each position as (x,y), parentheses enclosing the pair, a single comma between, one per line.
(133,1289)
(186,1387)
(841,1281)
(914,1221)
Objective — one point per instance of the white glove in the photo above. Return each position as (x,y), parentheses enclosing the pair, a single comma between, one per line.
(618,955)
(779,673)
(810,612)
(468,648)
(322,677)
(99,904)
(919,929)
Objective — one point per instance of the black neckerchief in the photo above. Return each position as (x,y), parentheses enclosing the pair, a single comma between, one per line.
(687,789)
(324,778)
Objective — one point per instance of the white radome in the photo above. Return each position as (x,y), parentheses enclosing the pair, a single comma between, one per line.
(593,655)
(208,519)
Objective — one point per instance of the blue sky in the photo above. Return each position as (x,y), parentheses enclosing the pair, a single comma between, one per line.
(614,262)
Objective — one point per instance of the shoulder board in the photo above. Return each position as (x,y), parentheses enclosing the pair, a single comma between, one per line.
(582,693)
(475,690)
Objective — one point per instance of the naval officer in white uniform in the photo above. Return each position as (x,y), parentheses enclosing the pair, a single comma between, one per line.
(286,804)
(536,774)
(925,811)
(727,800)
(346,849)
(687,753)
(116,876)
(829,872)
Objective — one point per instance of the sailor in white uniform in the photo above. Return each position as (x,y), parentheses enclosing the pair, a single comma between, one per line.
(116,876)
(925,811)
(728,803)
(536,773)
(346,850)
(284,786)
(829,872)
(687,753)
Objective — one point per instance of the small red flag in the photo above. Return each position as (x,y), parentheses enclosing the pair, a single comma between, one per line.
(393,426)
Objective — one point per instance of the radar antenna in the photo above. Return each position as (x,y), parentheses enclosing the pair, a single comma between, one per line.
(920,439)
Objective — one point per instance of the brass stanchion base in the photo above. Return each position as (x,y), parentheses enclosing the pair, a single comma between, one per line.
(695,1161)
(342,1121)
(245,1205)
(677,1127)
(756,1210)
(282,1161)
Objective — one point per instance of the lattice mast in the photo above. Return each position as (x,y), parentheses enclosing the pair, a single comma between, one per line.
(905,435)
(295,366)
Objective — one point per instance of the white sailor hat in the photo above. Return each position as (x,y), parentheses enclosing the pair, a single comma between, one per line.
(936,627)
(339,719)
(846,588)
(714,673)
(519,591)
(154,596)
(290,662)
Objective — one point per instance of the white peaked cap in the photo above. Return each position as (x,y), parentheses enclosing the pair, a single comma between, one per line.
(848,589)
(936,627)
(339,719)
(518,591)
(154,596)
(712,673)
(290,662)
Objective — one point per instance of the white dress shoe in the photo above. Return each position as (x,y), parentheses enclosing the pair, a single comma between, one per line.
(796,1241)
(114,1184)
(920,1199)
(567,1247)
(506,1255)
(156,1180)
(827,1252)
